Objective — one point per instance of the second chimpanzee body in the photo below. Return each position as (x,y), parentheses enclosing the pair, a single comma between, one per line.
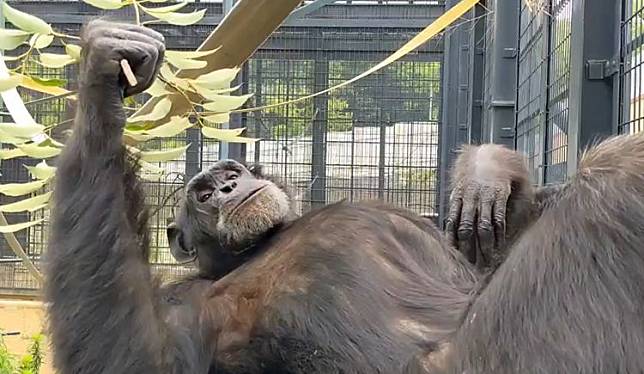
(350,288)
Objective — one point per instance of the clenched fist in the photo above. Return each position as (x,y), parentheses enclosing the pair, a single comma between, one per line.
(105,44)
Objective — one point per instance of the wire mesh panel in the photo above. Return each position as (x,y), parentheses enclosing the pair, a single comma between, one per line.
(377,138)
(13,274)
(531,90)
(631,118)
(556,153)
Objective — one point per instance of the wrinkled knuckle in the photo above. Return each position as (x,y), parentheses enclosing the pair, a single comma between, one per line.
(485,227)
(465,230)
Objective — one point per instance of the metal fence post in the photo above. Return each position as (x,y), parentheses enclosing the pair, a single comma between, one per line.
(593,63)
(318,140)
(454,127)
(477,65)
(503,73)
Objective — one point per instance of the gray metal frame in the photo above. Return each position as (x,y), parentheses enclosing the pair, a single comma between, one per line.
(594,67)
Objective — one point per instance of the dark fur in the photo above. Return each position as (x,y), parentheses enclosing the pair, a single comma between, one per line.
(350,288)
(569,297)
(358,301)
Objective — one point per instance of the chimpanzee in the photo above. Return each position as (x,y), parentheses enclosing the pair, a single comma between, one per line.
(349,288)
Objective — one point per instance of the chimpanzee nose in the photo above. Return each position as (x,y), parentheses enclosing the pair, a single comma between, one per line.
(228,187)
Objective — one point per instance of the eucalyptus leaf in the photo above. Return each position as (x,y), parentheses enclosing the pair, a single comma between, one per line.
(73,50)
(175,126)
(31,84)
(10,39)
(217,79)
(164,155)
(213,94)
(8,139)
(24,21)
(226,103)
(50,82)
(6,229)
(165,9)
(39,41)
(178,19)
(53,60)
(41,171)
(10,82)
(22,130)
(19,189)
(160,110)
(157,88)
(39,151)
(8,154)
(42,206)
(217,118)
(137,137)
(186,63)
(227,135)
(105,4)
(166,72)
(30,204)
(12,58)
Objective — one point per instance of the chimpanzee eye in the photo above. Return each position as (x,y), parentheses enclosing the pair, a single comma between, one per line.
(203,196)
(233,176)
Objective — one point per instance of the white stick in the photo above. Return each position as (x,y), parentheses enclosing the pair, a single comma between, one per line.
(127,70)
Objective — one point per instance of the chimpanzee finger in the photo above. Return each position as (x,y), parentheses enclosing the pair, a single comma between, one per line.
(466,224)
(453,217)
(127,36)
(143,58)
(108,27)
(499,219)
(485,230)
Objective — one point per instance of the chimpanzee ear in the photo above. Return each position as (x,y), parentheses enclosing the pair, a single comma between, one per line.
(256,169)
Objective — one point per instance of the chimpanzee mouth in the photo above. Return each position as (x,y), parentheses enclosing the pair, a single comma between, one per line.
(248,198)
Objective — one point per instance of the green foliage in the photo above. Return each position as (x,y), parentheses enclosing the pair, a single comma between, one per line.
(411,179)
(28,364)
(401,92)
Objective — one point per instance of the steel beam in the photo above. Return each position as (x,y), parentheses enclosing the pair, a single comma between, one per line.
(477,67)
(454,110)
(319,131)
(503,73)
(594,55)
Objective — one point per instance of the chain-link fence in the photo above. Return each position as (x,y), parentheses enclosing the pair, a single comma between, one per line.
(377,138)
(631,115)
(578,78)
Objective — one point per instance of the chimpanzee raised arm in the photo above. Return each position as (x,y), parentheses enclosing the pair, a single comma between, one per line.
(103,309)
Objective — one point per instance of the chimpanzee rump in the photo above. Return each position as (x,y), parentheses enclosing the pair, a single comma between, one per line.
(350,288)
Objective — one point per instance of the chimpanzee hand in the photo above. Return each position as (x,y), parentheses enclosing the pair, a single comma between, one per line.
(485,179)
(477,215)
(105,44)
